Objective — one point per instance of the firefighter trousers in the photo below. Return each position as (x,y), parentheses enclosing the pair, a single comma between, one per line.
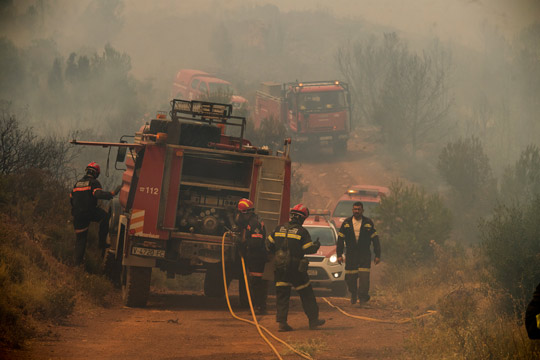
(307,296)
(358,283)
(99,215)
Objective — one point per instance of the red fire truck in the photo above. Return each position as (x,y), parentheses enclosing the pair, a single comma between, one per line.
(314,113)
(183,180)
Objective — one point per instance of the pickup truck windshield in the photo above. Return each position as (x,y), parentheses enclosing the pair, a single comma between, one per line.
(326,235)
(344,208)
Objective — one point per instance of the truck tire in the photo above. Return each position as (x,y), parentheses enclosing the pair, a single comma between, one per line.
(340,148)
(339,289)
(213,281)
(112,267)
(136,289)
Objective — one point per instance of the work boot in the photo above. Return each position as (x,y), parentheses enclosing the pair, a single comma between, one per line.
(353,299)
(313,325)
(283,327)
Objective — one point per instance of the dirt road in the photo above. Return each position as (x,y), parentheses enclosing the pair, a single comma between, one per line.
(192,326)
(189,325)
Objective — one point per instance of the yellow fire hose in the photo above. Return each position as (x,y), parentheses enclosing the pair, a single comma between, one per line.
(254,322)
(402,321)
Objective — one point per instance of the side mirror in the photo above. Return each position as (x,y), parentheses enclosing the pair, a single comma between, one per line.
(121,154)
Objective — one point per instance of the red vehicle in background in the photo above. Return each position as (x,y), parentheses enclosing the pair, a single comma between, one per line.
(314,113)
(190,84)
(369,195)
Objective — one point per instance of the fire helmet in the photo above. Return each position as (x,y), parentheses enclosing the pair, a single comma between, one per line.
(245,205)
(301,210)
(93,168)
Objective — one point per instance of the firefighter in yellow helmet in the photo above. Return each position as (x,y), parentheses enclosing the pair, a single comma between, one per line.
(289,243)
(253,249)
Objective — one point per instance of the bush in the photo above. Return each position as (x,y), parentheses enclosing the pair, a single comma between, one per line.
(521,182)
(512,250)
(410,219)
(464,166)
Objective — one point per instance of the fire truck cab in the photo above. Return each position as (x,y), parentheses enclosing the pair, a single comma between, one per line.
(315,113)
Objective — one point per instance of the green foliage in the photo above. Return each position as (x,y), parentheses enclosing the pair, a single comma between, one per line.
(521,182)
(464,166)
(96,288)
(512,250)
(410,220)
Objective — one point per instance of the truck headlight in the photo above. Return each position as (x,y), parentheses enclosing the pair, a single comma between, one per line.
(333,259)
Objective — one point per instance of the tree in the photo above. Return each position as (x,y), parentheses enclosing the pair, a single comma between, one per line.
(464,166)
(521,182)
(405,94)
(410,219)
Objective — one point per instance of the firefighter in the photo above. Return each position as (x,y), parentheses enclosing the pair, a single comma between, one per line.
(253,249)
(356,234)
(532,315)
(289,243)
(84,208)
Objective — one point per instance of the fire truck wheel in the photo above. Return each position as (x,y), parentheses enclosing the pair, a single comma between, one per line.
(339,289)
(136,289)
(112,267)
(213,281)
(340,148)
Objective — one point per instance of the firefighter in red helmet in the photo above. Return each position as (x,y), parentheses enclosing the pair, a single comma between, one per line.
(289,243)
(84,208)
(252,247)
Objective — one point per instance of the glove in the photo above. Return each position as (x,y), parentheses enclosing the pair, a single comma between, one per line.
(317,242)
(116,190)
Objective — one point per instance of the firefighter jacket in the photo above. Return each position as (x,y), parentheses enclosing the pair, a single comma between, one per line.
(293,240)
(85,195)
(256,255)
(358,250)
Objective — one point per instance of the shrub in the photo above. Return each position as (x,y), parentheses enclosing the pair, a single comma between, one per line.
(464,166)
(521,182)
(512,250)
(409,220)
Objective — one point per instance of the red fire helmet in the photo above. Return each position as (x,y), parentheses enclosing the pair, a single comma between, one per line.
(300,209)
(95,167)
(245,205)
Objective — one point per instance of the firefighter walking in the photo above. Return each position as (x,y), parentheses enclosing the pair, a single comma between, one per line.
(356,234)
(289,243)
(253,249)
(84,208)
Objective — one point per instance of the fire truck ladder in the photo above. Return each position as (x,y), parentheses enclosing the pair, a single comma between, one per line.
(270,195)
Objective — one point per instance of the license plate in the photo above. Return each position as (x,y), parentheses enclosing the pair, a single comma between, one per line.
(312,272)
(148,252)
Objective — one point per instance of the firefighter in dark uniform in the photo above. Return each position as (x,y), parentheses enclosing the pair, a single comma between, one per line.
(289,243)
(532,315)
(84,209)
(252,247)
(356,234)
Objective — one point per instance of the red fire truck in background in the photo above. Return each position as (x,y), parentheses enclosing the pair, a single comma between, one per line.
(314,113)
(190,84)
(183,180)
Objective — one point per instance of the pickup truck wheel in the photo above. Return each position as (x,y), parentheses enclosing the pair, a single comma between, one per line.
(339,289)
(213,281)
(136,289)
